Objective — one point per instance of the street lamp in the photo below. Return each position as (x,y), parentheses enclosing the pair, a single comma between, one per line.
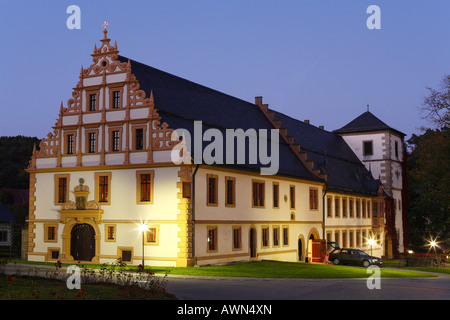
(433,244)
(143,227)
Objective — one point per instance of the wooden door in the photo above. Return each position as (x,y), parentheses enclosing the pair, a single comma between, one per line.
(82,242)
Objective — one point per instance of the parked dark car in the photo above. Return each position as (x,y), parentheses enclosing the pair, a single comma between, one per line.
(353,256)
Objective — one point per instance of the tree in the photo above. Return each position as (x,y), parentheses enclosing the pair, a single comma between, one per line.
(436,105)
(15,154)
(429,171)
(429,186)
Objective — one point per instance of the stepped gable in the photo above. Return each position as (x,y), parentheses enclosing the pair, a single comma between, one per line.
(105,64)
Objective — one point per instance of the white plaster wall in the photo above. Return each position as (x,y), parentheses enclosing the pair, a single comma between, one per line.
(69,120)
(245,216)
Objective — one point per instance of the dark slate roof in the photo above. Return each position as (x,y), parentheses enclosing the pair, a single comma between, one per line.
(364,123)
(5,216)
(330,153)
(179,102)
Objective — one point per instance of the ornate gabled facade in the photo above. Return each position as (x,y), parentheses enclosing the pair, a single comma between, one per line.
(109,126)
(106,169)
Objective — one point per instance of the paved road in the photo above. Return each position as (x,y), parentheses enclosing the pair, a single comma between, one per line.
(308,289)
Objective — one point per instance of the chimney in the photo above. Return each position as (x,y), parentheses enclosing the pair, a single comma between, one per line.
(306,121)
(321,127)
(258,101)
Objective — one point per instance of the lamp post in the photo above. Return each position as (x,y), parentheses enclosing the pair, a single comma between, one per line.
(143,227)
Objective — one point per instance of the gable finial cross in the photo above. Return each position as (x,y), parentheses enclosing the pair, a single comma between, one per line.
(105,24)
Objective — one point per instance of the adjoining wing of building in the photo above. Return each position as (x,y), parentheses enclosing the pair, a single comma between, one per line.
(106,169)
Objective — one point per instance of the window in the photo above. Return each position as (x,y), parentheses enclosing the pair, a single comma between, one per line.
(367,148)
(344,207)
(337,207)
(237,238)
(51,231)
(358,208)
(151,235)
(368,208)
(91,146)
(396,149)
(265,237)
(285,236)
(61,188)
(329,206)
(54,254)
(211,190)
(92,102)
(230,192)
(115,140)
(4,237)
(144,187)
(69,144)
(276,195)
(126,254)
(344,239)
(258,194)
(363,208)
(139,139)
(313,199)
(116,99)
(329,247)
(276,236)
(375,209)
(351,239)
(350,207)
(103,187)
(336,237)
(212,239)
(70,138)
(292,196)
(187,186)
(358,238)
(110,232)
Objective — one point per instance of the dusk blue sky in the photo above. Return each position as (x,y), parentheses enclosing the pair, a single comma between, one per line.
(313,60)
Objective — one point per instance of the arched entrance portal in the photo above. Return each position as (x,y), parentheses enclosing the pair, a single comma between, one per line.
(252,242)
(82,242)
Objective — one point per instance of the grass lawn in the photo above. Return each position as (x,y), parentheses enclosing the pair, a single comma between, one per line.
(275,269)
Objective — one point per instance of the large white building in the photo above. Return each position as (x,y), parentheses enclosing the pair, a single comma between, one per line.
(107,169)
